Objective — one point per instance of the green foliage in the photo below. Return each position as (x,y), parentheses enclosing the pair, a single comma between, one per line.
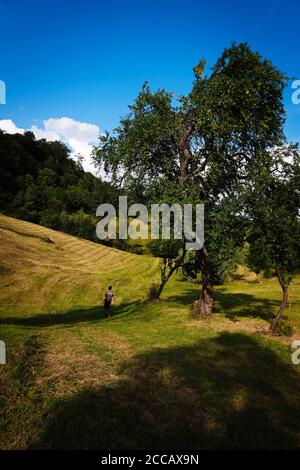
(167,249)
(240,102)
(237,109)
(257,260)
(40,183)
(273,203)
(78,224)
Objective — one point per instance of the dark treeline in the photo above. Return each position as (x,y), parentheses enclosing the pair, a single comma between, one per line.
(41,183)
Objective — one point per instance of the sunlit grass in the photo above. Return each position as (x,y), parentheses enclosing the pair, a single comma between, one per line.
(148,377)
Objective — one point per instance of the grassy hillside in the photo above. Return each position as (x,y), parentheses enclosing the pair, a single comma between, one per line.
(148,377)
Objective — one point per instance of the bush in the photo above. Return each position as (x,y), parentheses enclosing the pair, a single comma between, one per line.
(284,328)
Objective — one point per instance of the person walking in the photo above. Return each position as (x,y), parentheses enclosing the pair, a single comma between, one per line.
(108,296)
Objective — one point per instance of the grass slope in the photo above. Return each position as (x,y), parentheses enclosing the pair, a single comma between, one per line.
(149,377)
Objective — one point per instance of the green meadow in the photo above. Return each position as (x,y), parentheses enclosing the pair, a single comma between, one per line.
(149,377)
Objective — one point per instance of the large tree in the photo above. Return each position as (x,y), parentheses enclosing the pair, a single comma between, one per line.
(205,140)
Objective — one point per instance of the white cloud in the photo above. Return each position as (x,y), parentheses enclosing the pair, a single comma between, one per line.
(70,128)
(9,126)
(43,134)
(79,136)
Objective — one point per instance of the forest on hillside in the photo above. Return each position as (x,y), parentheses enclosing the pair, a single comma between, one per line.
(41,183)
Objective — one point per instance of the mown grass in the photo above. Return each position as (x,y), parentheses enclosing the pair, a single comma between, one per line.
(149,377)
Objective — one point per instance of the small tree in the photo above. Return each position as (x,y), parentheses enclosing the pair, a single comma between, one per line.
(273,204)
(172,254)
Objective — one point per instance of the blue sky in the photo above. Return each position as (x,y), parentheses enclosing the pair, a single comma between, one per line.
(87,60)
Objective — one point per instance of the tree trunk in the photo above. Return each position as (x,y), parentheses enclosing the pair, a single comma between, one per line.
(203,306)
(285,296)
(206,299)
(160,288)
(167,276)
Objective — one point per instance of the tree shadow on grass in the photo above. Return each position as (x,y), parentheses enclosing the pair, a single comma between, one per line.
(185,298)
(229,391)
(243,305)
(233,305)
(81,315)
